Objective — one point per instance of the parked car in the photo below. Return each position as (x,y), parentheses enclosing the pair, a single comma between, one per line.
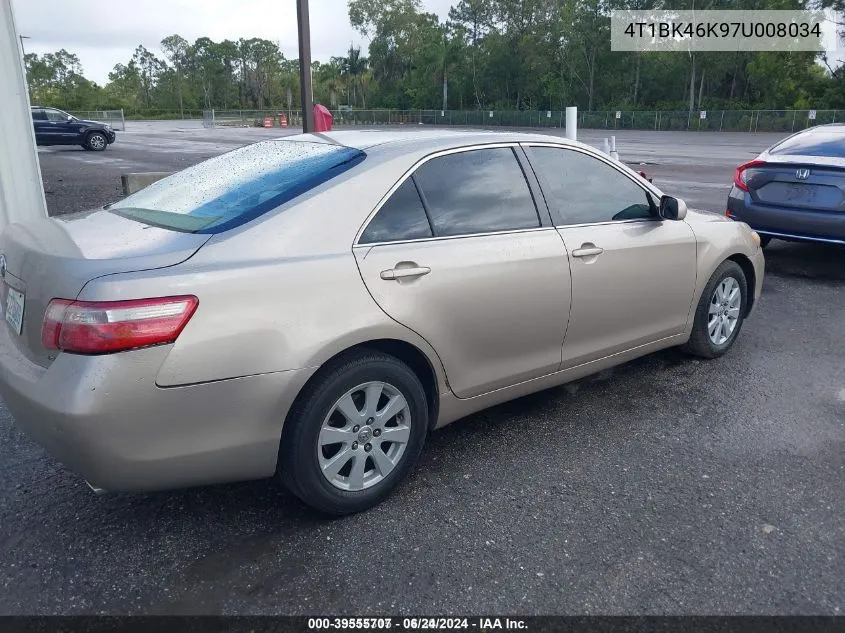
(55,127)
(313,306)
(795,190)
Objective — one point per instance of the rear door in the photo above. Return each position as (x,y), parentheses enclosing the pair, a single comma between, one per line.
(44,132)
(459,254)
(633,274)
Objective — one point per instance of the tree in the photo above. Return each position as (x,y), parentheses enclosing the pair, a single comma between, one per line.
(505,54)
(176,49)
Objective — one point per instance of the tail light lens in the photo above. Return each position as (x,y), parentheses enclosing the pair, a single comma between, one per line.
(101,327)
(739,174)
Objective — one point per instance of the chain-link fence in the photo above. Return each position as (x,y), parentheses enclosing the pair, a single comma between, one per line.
(663,120)
(719,120)
(252,118)
(113,117)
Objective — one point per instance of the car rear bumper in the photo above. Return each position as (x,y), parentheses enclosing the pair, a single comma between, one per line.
(785,222)
(104,417)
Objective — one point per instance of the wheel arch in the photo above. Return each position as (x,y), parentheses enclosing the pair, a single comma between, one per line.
(86,134)
(419,362)
(750,278)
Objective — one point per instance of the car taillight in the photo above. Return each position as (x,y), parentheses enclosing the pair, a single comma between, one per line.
(739,174)
(101,327)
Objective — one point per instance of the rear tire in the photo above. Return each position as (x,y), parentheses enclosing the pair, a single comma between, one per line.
(720,312)
(96,142)
(354,433)
(764,240)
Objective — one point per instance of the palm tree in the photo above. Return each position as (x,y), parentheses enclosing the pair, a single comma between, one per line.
(353,67)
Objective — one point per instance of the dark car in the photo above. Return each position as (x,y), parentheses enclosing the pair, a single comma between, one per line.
(795,190)
(55,127)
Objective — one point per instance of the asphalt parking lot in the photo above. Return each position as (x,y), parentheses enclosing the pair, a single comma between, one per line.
(665,486)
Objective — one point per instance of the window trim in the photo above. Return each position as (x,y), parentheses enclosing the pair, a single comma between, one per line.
(514,146)
(556,217)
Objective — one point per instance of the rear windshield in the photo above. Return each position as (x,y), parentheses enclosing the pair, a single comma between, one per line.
(234,188)
(820,141)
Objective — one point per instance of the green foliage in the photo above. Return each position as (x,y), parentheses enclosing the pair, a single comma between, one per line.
(490,54)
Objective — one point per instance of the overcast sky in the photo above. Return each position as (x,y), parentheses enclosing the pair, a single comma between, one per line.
(104,33)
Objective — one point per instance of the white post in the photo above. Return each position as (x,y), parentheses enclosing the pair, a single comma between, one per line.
(613,153)
(21,191)
(572,123)
(605,148)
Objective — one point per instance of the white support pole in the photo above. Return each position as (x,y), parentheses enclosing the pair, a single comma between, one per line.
(572,123)
(605,148)
(21,191)
(613,153)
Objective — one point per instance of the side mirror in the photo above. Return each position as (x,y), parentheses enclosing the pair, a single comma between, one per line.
(672,208)
(69,117)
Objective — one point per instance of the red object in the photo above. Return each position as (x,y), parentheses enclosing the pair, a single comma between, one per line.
(268,122)
(739,174)
(101,327)
(283,120)
(322,118)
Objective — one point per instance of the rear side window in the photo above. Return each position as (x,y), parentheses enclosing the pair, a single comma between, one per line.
(821,141)
(402,217)
(234,188)
(477,191)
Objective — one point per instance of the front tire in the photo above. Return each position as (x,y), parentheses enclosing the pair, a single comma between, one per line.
(96,142)
(354,433)
(720,312)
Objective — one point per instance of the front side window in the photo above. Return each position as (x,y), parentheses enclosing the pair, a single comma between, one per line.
(56,115)
(476,191)
(402,217)
(583,189)
(38,115)
(234,188)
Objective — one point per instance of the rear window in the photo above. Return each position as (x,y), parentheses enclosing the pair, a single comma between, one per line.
(234,188)
(820,141)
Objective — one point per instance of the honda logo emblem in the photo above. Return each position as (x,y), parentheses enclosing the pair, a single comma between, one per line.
(802,174)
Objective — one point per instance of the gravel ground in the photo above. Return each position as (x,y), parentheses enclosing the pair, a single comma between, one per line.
(665,486)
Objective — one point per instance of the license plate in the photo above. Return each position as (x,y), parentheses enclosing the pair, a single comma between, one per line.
(14,309)
(800,193)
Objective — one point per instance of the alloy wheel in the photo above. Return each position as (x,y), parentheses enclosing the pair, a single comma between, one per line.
(364,436)
(724,310)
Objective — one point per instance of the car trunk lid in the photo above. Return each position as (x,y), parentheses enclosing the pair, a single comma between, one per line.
(55,258)
(803,182)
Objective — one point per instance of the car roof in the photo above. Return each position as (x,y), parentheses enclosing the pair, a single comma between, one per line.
(382,140)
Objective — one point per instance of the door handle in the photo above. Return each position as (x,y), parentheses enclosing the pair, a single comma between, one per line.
(587,251)
(400,273)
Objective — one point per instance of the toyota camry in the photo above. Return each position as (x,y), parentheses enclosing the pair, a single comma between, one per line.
(312,307)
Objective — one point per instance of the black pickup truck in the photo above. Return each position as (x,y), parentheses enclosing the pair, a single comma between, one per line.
(55,127)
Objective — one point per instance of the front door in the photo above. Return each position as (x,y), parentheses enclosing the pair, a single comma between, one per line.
(459,255)
(633,274)
(62,131)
